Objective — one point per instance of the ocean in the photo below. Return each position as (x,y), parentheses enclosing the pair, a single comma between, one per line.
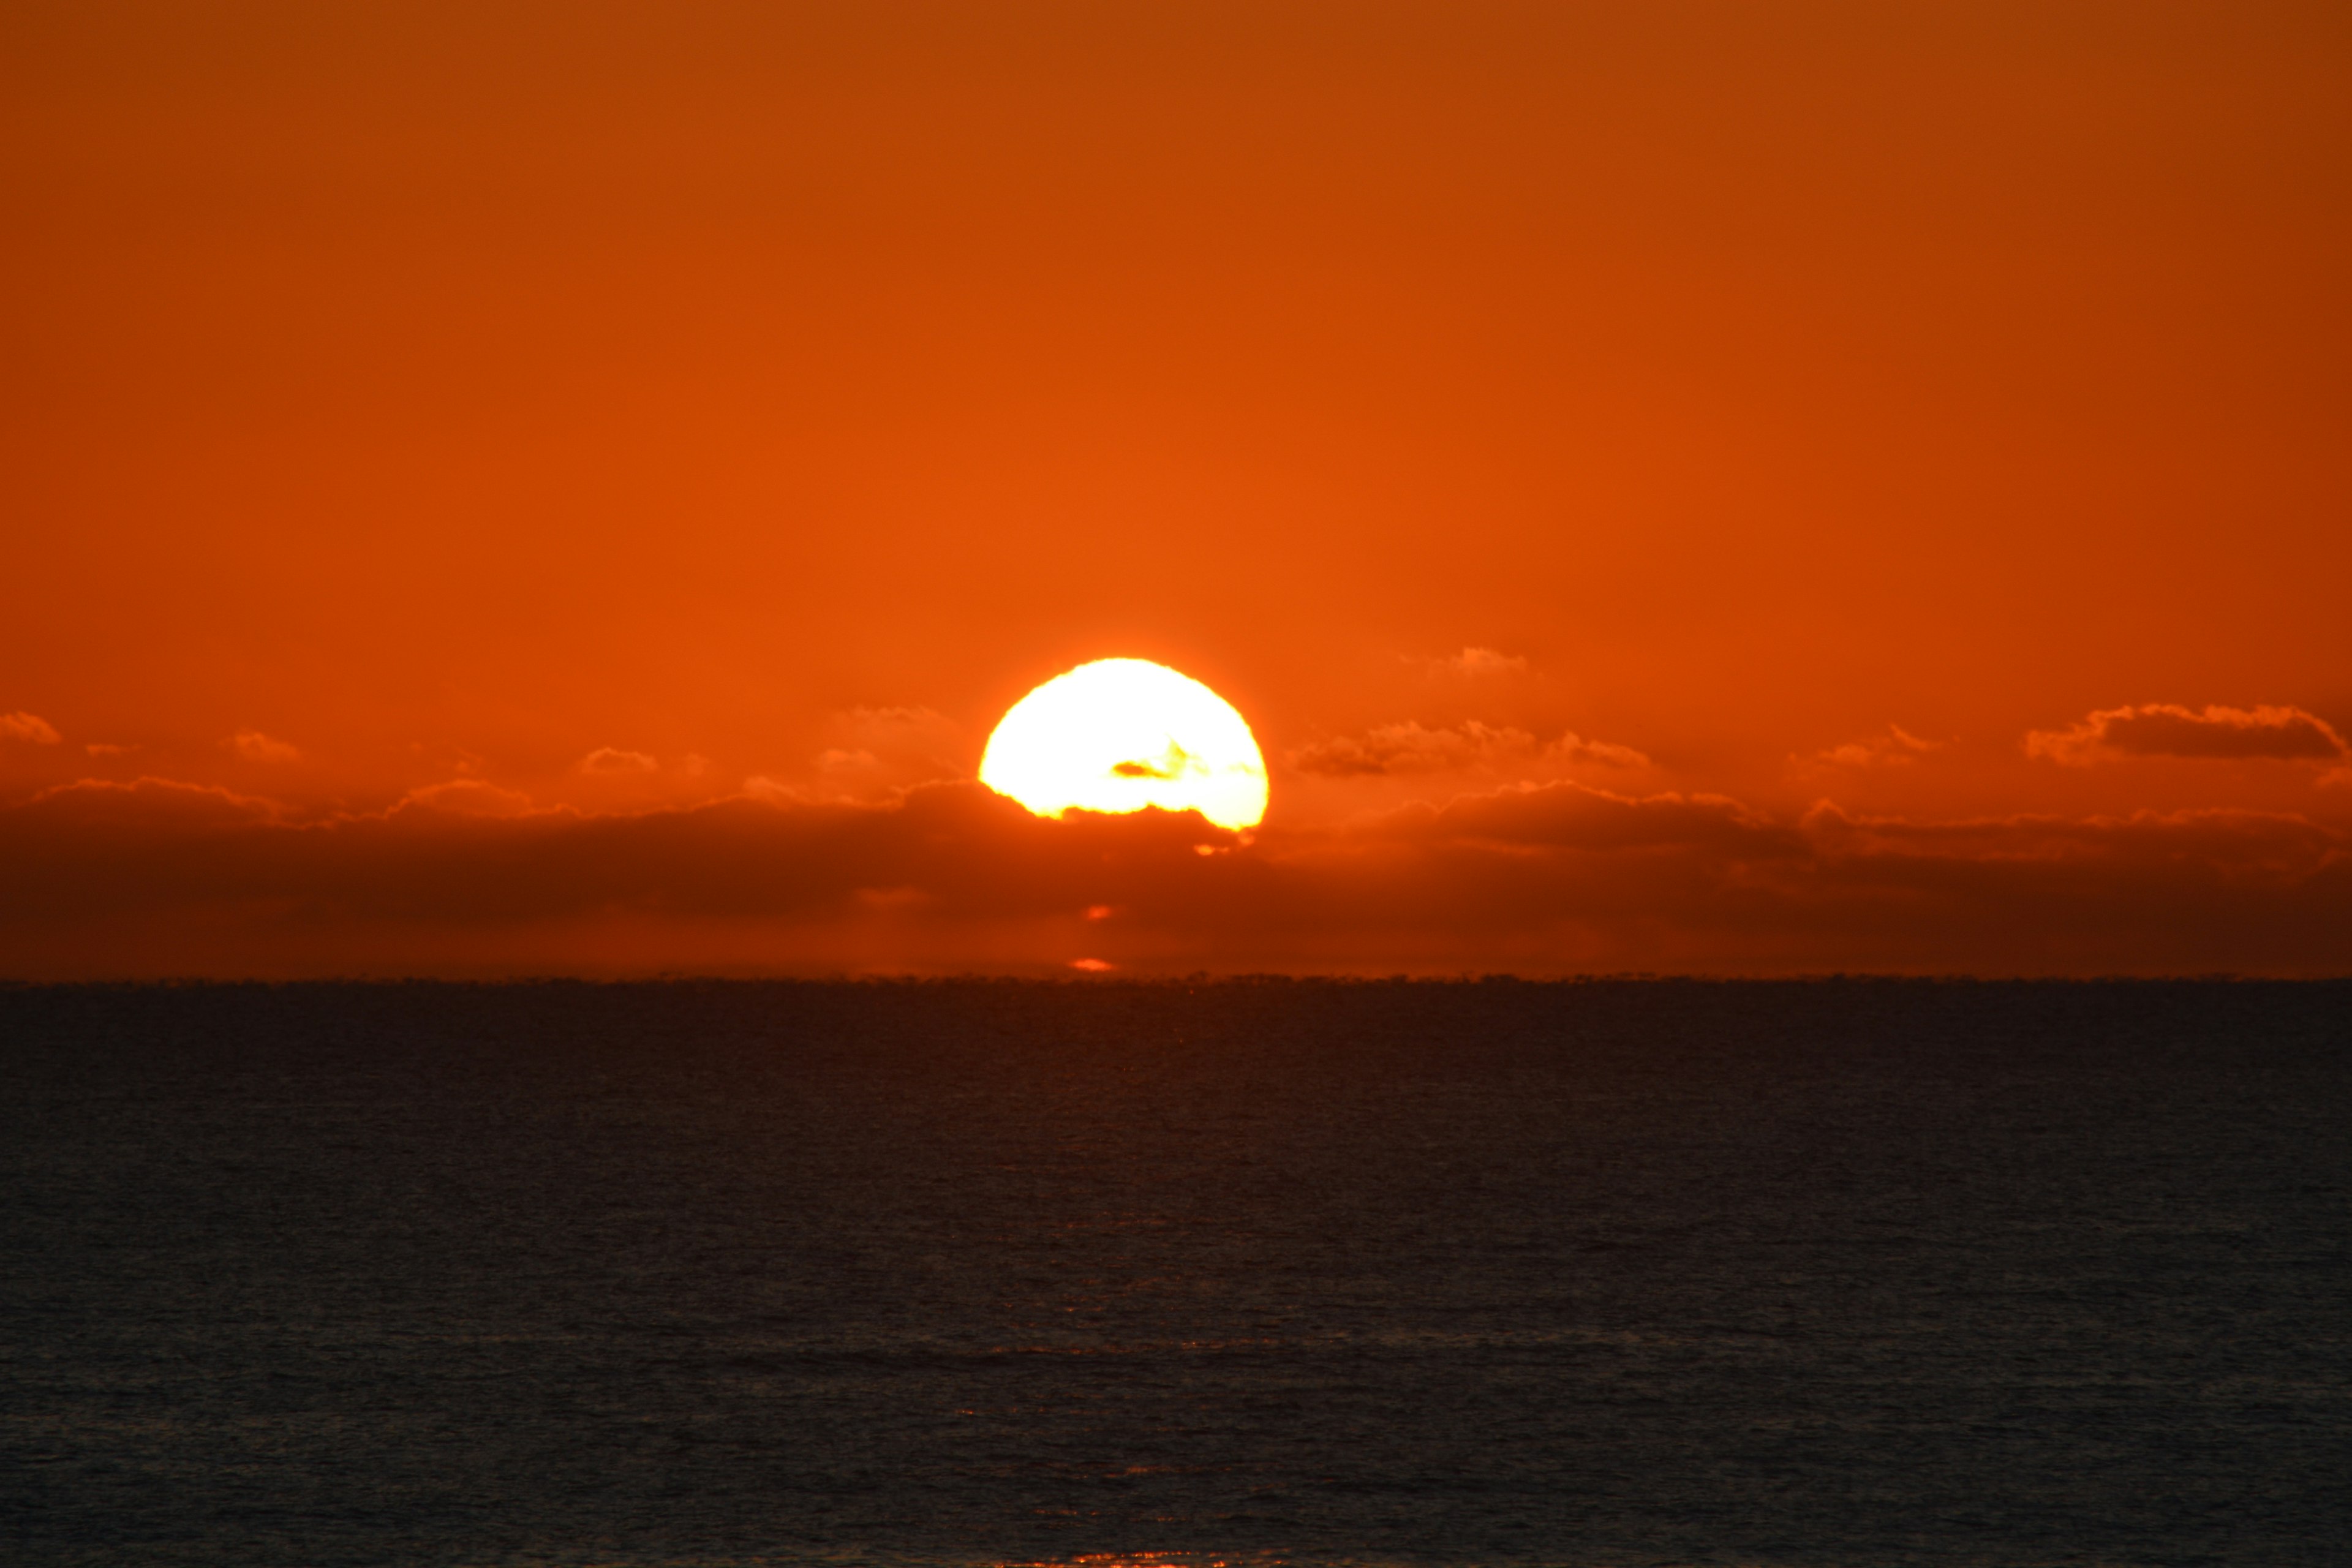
(1830,1273)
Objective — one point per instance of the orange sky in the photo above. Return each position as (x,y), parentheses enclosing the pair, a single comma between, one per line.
(535,489)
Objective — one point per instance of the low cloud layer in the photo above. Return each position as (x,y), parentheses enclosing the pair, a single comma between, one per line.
(158,878)
(2169,730)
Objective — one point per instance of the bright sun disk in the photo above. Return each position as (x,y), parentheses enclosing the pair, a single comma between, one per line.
(1120,734)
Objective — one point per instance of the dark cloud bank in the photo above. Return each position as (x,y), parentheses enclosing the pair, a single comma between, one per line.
(159,879)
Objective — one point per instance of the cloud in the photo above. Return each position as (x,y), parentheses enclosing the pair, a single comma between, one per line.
(22,726)
(255,747)
(1898,748)
(918,720)
(1572,748)
(611,760)
(1474,663)
(158,878)
(1175,762)
(2167,730)
(875,753)
(119,812)
(468,797)
(916,740)
(759,786)
(1409,748)
(1572,816)
(2234,842)
(1478,661)
(108,749)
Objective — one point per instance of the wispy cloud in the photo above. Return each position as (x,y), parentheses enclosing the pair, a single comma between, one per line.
(1413,748)
(1391,749)
(611,760)
(1898,748)
(255,747)
(776,792)
(1574,749)
(22,726)
(2169,730)
(1475,663)
(903,740)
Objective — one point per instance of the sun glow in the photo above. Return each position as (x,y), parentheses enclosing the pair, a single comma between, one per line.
(1120,734)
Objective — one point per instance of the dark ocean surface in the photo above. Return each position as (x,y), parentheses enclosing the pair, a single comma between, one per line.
(1836,1273)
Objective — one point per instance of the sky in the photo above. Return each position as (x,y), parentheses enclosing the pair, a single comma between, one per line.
(1715,489)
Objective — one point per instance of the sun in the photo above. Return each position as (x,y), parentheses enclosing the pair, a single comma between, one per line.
(1120,734)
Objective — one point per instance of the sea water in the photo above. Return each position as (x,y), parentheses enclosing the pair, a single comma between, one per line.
(1833,1274)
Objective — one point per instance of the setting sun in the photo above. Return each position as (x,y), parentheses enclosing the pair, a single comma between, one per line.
(1120,734)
